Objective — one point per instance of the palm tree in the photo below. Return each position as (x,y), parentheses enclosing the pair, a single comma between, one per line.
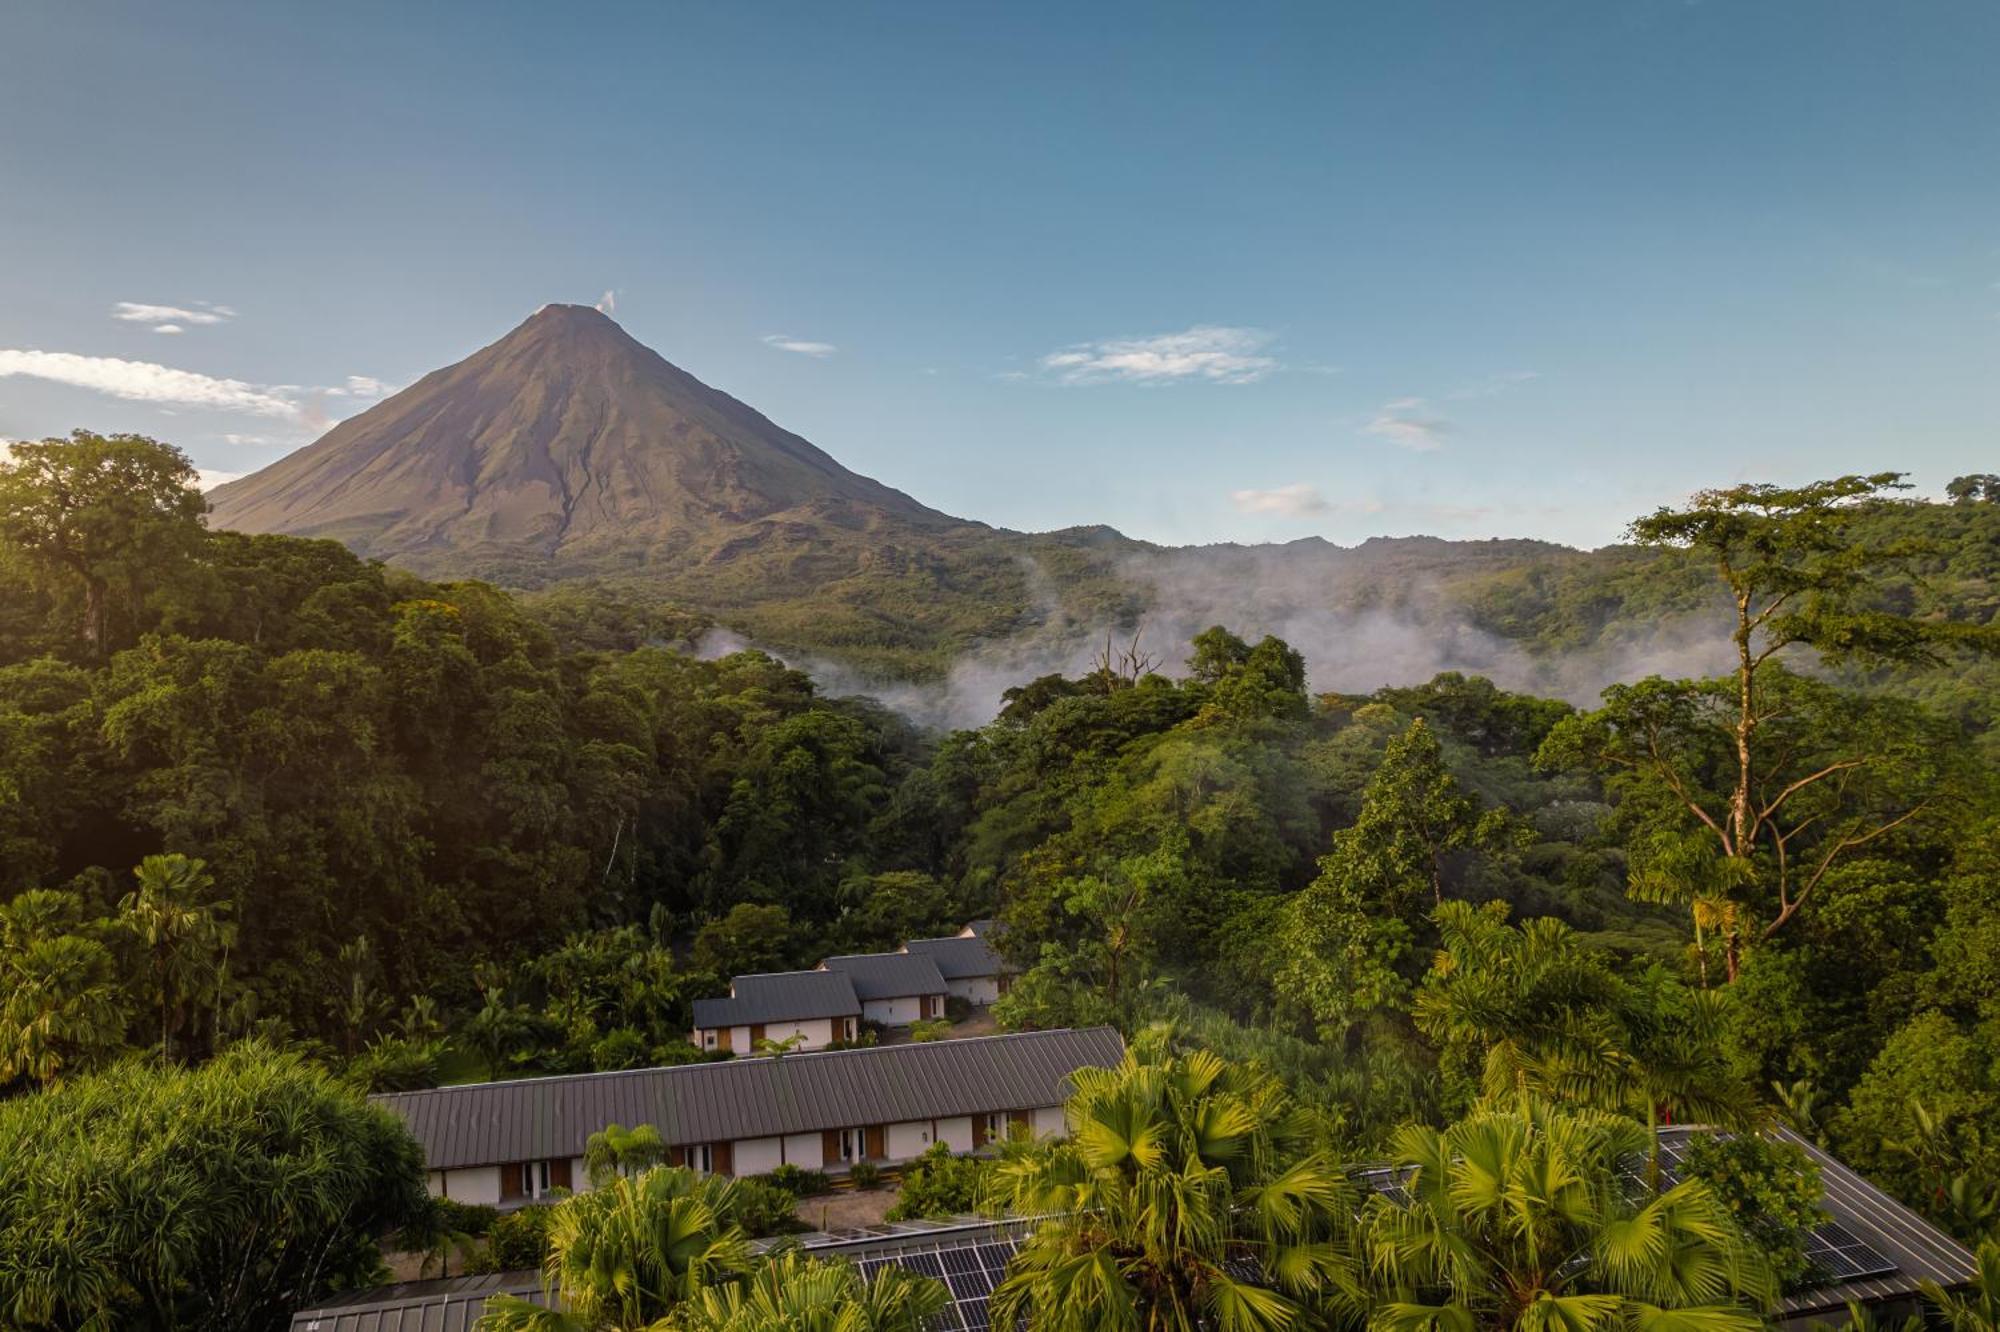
(798,1294)
(183,934)
(615,1151)
(1682,869)
(1520,1219)
(1978,1308)
(624,1256)
(1183,1198)
(62,1008)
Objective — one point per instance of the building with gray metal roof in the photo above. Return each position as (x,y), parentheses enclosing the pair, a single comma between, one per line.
(971,968)
(507,1142)
(810,1009)
(896,989)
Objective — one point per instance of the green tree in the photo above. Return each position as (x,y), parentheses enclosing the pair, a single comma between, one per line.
(62,1008)
(149,1196)
(1184,1197)
(749,938)
(615,1151)
(794,1293)
(1976,488)
(183,933)
(625,1256)
(1518,1218)
(108,513)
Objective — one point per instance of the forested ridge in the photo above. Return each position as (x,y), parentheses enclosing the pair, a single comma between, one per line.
(258,794)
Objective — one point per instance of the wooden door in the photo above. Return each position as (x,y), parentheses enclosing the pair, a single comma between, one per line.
(511,1182)
(725,1158)
(872,1147)
(1019,1119)
(829,1147)
(559,1176)
(722,1038)
(978,1132)
(756,1034)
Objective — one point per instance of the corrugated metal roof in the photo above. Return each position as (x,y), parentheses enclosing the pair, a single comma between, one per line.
(545,1118)
(889,975)
(960,957)
(1919,1249)
(780,996)
(452,1304)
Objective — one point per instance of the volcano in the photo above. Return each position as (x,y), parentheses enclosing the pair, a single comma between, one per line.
(569,447)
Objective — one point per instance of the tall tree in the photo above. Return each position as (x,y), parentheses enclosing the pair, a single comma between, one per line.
(1801,567)
(106,512)
(184,935)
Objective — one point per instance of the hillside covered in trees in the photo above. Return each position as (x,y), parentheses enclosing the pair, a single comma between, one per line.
(260,794)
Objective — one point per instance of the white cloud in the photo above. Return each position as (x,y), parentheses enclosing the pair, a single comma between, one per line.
(1406,423)
(804,348)
(364,386)
(143,381)
(608,303)
(1211,352)
(1295,500)
(172,318)
(209,479)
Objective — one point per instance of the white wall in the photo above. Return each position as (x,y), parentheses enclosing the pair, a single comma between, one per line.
(818,1032)
(755,1156)
(807,1151)
(893,1012)
(1048,1121)
(477,1186)
(956,1133)
(981,990)
(904,1141)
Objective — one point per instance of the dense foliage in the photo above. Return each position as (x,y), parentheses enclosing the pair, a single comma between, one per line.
(217,1197)
(255,788)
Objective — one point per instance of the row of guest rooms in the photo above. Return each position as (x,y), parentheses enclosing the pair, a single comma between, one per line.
(521,1182)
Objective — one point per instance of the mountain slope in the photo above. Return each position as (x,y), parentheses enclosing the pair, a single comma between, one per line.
(565,443)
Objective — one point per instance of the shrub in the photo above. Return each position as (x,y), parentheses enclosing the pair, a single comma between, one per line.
(519,1239)
(957,1007)
(393,1064)
(763,1208)
(1771,1188)
(930,1029)
(939,1184)
(132,1197)
(865,1175)
(465,1218)
(801,1182)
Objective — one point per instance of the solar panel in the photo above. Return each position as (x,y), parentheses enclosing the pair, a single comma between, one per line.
(1837,1255)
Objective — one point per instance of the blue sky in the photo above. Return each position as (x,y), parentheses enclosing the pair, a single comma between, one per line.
(1204,272)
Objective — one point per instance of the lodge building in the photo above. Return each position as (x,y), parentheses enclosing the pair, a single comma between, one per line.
(509,1143)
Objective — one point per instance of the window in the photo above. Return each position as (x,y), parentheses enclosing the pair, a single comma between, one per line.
(996,1125)
(850,1145)
(708,1040)
(701,1159)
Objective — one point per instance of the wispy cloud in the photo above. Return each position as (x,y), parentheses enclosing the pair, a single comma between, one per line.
(210,478)
(143,381)
(364,386)
(1293,501)
(1209,352)
(608,303)
(172,318)
(784,342)
(1409,424)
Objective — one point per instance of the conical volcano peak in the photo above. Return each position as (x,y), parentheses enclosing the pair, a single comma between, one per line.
(565,442)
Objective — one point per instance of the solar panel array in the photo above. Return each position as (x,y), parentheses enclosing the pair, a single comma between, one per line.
(970,1271)
(1835,1254)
